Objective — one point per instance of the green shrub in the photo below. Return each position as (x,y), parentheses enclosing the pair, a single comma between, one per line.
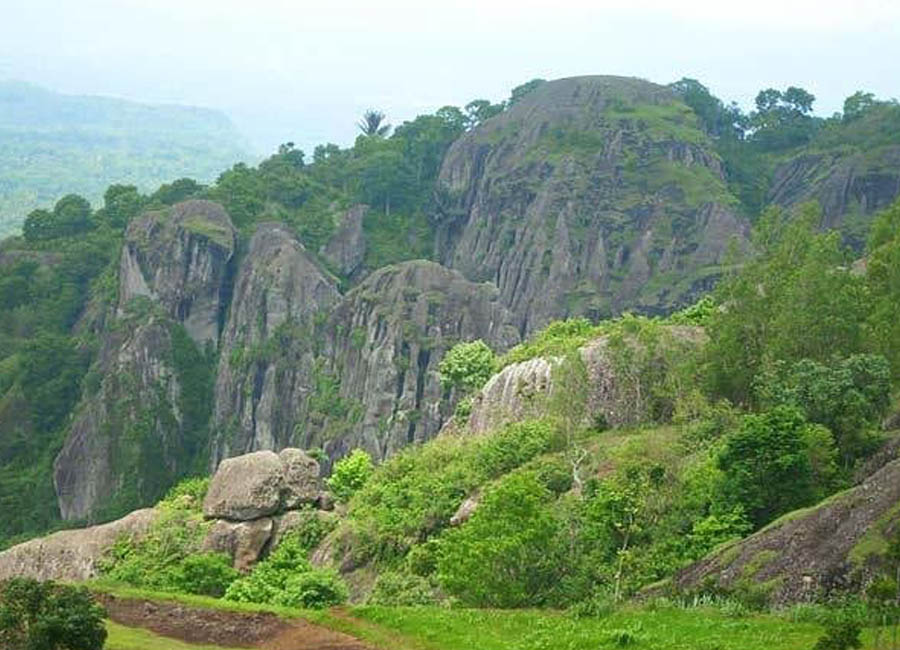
(350,474)
(506,554)
(767,470)
(287,578)
(46,616)
(467,365)
(841,633)
(313,589)
(206,574)
(396,589)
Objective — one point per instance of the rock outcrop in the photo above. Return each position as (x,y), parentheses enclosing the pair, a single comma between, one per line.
(611,389)
(810,553)
(387,337)
(267,368)
(128,437)
(346,249)
(143,416)
(588,196)
(848,185)
(341,372)
(262,483)
(71,555)
(179,259)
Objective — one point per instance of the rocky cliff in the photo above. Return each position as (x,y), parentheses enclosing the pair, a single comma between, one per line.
(142,419)
(589,196)
(848,185)
(267,368)
(303,366)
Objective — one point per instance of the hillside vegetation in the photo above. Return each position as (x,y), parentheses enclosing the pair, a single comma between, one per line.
(56,144)
(505,426)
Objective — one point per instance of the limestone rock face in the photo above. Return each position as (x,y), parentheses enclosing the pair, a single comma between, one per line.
(384,342)
(71,555)
(245,487)
(346,249)
(816,550)
(140,387)
(523,390)
(267,368)
(179,258)
(341,372)
(243,541)
(588,196)
(849,185)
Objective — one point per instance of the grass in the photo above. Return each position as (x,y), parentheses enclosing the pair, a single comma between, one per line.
(134,638)
(434,628)
(662,629)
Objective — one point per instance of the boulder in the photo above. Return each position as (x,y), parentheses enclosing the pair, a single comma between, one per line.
(244,541)
(71,555)
(245,487)
(301,478)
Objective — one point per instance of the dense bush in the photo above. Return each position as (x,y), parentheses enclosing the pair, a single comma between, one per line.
(350,474)
(46,616)
(413,495)
(397,589)
(286,578)
(767,466)
(506,555)
(467,365)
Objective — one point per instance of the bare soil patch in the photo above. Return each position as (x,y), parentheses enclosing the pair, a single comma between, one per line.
(230,629)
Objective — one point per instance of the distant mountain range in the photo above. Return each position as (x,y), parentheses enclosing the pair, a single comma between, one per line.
(53,144)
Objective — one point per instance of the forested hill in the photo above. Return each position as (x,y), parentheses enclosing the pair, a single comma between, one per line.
(308,301)
(54,144)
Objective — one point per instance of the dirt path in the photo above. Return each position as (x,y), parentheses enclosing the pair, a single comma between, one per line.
(230,629)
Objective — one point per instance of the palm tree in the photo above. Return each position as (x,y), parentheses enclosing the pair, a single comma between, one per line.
(371,123)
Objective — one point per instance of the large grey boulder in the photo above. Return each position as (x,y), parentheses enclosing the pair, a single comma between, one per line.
(243,541)
(301,478)
(262,483)
(245,487)
(71,555)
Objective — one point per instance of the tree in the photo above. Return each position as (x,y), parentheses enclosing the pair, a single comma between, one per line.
(520,91)
(849,396)
(883,282)
(121,203)
(176,191)
(373,124)
(467,365)
(46,616)
(717,118)
(506,555)
(479,110)
(767,470)
(857,104)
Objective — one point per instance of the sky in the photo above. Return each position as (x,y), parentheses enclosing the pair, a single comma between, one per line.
(292,70)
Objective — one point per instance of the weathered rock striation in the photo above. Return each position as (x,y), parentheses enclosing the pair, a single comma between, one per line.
(589,196)
(810,553)
(179,259)
(267,368)
(849,186)
(136,430)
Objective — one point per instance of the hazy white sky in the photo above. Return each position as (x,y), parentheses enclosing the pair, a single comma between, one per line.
(304,71)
